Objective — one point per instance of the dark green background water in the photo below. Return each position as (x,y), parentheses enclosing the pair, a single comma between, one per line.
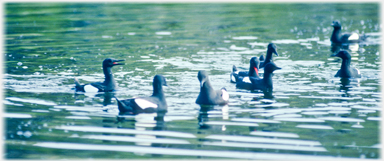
(311,116)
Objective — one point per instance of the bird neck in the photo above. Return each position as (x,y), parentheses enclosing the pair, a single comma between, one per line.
(253,71)
(336,35)
(206,87)
(158,90)
(269,56)
(109,81)
(345,64)
(268,79)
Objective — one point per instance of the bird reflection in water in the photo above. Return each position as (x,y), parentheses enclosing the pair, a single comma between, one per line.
(160,126)
(95,97)
(108,98)
(203,117)
(346,84)
(268,94)
(145,122)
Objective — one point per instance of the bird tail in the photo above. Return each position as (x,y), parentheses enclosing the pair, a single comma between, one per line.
(234,68)
(122,107)
(77,83)
(119,103)
(233,75)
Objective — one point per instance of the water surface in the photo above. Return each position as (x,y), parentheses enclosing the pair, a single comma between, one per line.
(313,115)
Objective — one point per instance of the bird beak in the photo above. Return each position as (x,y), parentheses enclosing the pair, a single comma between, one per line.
(277,68)
(274,51)
(115,62)
(333,55)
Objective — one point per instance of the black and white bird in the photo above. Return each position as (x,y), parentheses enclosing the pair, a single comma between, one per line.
(108,85)
(244,82)
(339,38)
(270,50)
(209,96)
(346,71)
(265,83)
(253,70)
(151,104)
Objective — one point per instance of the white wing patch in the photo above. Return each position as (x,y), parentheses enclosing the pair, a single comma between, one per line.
(90,88)
(354,36)
(142,103)
(233,78)
(224,95)
(246,80)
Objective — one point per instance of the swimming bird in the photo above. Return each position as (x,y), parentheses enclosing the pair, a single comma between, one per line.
(265,83)
(338,37)
(253,70)
(151,104)
(346,71)
(244,82)
(108,85)
(209,96)
(271,49)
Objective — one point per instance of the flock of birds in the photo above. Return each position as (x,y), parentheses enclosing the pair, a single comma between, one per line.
(249,80)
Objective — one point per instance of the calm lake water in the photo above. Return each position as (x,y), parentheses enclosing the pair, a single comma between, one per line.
(313,115)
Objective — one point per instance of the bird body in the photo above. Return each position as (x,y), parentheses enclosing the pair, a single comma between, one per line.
(346,71)
(209,96)
(154,103)
(244,82)
(265,83)
(253,70)
(108,85)
(338,37)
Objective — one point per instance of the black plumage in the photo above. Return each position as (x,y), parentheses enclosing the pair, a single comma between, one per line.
(338,37)
(108,85)
(265,83)
(209,96)
(346,71)
(270,50)
(151,104)
(252,72)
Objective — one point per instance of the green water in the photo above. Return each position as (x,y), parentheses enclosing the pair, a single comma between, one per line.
(312,115)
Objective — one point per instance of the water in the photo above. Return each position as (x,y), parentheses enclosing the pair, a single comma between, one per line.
(313,115)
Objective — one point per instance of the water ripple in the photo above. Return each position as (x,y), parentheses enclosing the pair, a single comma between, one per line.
(174,151)
(125,131)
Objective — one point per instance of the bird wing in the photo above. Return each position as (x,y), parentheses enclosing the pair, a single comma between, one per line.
(143,104)
(224,94)
(246,80)
(125,106)
(357,72)
(349,37)
(99,86)
(243,73)
(353,36)
(254,79)
(234,76)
